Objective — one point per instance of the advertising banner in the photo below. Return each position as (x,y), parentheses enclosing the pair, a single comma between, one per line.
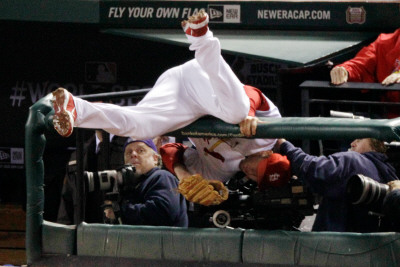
(11,158)
(254,14)
(302,15)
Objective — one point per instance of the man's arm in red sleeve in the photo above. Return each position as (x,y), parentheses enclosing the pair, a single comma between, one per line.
(362,67)
(171,154)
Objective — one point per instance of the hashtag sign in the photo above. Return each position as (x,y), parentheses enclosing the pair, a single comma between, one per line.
(18,94)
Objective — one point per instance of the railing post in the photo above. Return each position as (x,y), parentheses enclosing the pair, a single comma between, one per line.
(305,112)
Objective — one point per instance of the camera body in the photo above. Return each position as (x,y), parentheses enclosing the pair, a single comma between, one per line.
(246,207)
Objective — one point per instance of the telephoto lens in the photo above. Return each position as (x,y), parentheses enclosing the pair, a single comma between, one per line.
(105,180)
(364,190)
(99,181)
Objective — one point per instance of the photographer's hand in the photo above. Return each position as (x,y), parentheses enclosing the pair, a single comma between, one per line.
(108,212)
(278,144)
(394,185)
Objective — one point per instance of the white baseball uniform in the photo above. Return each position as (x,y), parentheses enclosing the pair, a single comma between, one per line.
(219,159)
(205,85)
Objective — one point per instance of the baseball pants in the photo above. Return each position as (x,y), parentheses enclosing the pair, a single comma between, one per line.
(202,86)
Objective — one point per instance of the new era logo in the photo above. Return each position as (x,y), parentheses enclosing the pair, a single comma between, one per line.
(214,13)
(224,13)
(11,155)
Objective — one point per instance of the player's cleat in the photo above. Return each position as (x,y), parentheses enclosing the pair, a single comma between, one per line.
(65,113)
(196,25)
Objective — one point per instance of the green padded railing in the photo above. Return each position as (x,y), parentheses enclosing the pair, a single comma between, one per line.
(214,245)
(35,142)
(40,121)
(299,128)
(160,242)
(321,248)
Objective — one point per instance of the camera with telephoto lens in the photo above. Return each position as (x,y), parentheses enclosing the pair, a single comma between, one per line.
(112,182)
(362,190)
(106,180)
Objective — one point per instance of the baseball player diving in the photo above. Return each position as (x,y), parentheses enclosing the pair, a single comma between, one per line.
(205,85)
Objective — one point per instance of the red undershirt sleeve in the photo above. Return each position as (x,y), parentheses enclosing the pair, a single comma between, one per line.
(257,100)
(172,153)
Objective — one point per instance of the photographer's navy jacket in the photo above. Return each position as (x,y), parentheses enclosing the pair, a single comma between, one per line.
(391,209)
(327,176)
(155,201)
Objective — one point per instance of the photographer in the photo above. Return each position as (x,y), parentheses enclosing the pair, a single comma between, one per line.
(151,197)
(328,175)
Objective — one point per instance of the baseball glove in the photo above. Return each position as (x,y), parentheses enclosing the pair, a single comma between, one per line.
(205,192)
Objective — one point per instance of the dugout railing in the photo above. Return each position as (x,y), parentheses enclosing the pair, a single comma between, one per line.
(319,97)
(124,245)
(363,100)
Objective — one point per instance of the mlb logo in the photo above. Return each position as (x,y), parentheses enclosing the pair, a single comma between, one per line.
(356,15)
(100,72)
(224,13)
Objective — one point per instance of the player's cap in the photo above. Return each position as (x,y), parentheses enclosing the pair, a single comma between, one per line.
(273,171)
(148,142)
